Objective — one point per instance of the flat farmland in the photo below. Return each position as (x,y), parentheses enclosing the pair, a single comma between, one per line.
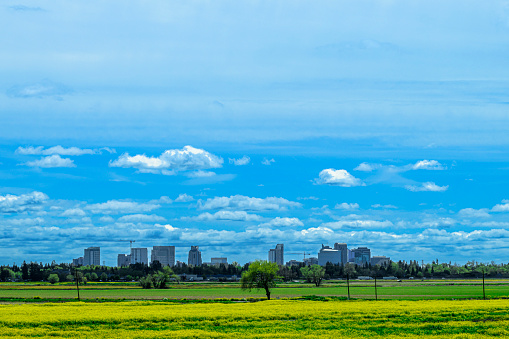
(457,289)
(265,319)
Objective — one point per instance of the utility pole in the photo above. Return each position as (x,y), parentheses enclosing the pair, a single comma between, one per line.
(77,282)
(376,292)
(348,284)
(483,290)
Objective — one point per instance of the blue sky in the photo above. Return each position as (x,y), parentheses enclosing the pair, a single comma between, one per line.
(238,125)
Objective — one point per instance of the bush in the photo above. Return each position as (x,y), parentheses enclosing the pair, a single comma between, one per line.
(53,278)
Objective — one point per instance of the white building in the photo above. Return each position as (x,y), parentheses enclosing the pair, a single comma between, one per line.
(218,261)
(277,255)
(328,254)
(139,256)
(92,256)
(380,260)
(164,254)
(343,251)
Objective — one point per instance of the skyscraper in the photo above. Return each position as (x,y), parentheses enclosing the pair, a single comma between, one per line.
(328,254)
(123,260)
(164,254)
(92,256)
(362,255)
(343,250)
(139,256)
(276,255)
(194,257)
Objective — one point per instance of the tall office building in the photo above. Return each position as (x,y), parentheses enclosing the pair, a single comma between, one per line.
(362,255)
(139,256)
(123,260)
(164,254)
(277,255)
(328,254)
(92,256)
(342,248)
(218,261)
(194,257)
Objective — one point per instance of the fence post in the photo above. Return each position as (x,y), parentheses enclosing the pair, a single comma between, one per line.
(376,292)
(348,284)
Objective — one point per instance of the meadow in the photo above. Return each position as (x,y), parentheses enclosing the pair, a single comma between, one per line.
(265,319)
(405,290)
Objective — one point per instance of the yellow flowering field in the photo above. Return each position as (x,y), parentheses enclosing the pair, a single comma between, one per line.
(266,319)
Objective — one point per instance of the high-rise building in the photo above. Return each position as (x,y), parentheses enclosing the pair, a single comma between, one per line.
(277,255)
(218,261)
(123,260)
(77,261)
(380,260)
(164,254)
(92,256)
(328,254)
(362,255)
(342,248)
(194,257)
(139,256)
(310,261)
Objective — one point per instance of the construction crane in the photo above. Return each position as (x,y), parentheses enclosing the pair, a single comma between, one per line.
(304,253)
(130,244)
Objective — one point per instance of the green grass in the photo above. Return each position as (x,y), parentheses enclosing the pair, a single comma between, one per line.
(358,289)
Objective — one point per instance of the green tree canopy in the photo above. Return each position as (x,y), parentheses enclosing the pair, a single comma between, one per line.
(260,275)
(53,278)
(314,274)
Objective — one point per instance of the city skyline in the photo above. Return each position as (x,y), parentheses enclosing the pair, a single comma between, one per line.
(378,124)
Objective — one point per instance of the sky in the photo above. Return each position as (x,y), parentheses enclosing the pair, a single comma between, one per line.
(235,126)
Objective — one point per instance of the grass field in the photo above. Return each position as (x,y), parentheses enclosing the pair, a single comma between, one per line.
(266,319)
(358,289)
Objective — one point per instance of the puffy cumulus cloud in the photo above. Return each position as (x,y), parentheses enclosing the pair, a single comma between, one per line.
(268,162)
(333,177)
(503,207)
(427,187)
(170,161)
(120,207)
(347,206)
(428,165)
(473,213)
(73,212)
(366,167)
(141,218)
(244,203)
(20,203)
(51,161)
(283,222)
(225,215)
(358,224)
(59,150)
(184,198)
(240,162)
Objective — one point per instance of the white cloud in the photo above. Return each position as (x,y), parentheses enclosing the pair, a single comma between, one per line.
(347,206)
(200,174)
(170,161)
(120,207)
(384,206)
(24,222)
(225,215)
(428,165)
(73,212)
(473,213)
(184,198)
(427,187)
(504,207)
(240,162)
(21,203)
(358,224)
(59,150)
(308,198)
(283,222)
(366,167)
(51,161)
(106,218)
(141,218)
(240,202)
(267,162)
(333,177)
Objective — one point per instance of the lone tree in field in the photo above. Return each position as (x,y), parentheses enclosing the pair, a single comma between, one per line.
(260,275)
(314,274)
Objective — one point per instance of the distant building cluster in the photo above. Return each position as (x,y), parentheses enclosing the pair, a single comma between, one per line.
(165,255)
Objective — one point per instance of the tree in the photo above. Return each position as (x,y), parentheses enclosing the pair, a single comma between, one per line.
(314,274)
(104,277)
(94,276)
(53,278)
(260,275)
